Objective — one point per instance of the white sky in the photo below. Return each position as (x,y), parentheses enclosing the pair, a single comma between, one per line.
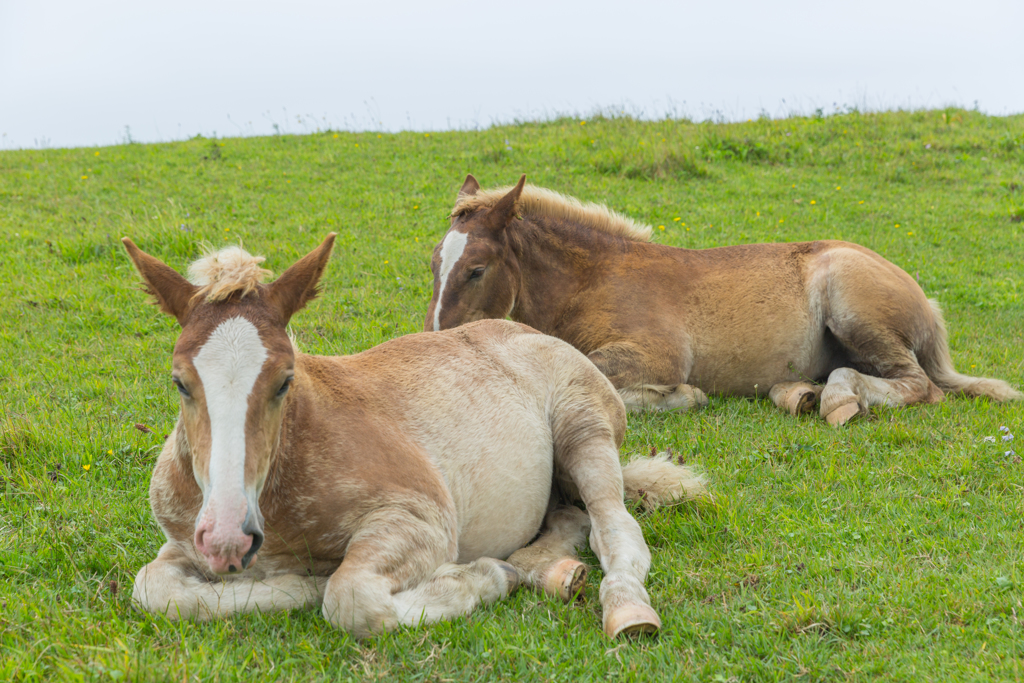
(76,73)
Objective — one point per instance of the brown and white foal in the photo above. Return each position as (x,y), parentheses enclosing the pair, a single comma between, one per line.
(793,321)
(387,486)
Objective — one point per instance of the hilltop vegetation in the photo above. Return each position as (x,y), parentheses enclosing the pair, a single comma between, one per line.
(891,548)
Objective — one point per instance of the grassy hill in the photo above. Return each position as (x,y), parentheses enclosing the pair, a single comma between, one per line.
(891,548)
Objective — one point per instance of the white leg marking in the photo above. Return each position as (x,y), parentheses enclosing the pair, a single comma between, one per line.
(451,251)
(228,365)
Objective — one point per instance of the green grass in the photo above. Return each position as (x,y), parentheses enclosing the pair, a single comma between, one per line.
(889,549)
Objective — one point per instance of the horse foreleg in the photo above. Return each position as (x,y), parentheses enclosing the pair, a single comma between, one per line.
(170,585)
(549,564)
(398,571)
(645,380)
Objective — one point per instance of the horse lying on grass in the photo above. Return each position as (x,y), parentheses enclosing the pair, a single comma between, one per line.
(387,486)
(666,325)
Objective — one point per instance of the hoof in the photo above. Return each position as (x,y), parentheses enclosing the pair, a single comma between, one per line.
(796,398)
(512,579)
(565,579)
(632,620)
(700,399)
(843,414)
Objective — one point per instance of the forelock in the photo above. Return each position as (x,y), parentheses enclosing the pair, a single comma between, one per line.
(222,272)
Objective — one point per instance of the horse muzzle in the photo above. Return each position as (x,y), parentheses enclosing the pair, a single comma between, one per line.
(227,545)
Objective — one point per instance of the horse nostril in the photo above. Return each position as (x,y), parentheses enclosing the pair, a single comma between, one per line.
(257,541)
(232,569)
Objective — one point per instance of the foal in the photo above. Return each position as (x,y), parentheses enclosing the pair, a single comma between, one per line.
(388,486)
(666,324)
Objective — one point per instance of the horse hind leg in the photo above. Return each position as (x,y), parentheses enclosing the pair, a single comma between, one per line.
(796,398)
(586,453)
(900,380)
(550,564)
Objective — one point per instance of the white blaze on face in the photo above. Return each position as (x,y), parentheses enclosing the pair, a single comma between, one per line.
(228,365)
(451,251)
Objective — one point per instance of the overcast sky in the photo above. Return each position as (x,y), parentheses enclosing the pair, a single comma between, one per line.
(77,73)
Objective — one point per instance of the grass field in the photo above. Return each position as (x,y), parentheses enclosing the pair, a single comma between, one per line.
(891,549)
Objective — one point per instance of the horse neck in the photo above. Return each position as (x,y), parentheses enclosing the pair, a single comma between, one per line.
(557,262)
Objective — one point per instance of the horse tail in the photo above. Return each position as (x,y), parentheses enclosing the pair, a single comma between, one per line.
(938,365)
(657,480)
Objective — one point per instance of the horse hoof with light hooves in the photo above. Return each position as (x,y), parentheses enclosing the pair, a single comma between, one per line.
(632,620)
(843,414)
(386,487)
(654,319)
(796,398)
(565,579)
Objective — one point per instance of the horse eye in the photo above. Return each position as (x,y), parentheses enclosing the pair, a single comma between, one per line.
(284,387)
(477,272)
(181,387)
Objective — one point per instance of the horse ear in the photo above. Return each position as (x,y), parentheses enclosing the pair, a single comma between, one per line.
(505,209)
(173,292)
(469,188)
(297,286)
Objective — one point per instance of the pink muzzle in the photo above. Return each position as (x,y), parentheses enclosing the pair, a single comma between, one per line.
(228,540)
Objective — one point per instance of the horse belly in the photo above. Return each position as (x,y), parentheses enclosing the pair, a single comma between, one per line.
(502,496)
(751,366)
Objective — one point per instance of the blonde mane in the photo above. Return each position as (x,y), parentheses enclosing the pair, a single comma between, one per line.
(538,201)
(219,273)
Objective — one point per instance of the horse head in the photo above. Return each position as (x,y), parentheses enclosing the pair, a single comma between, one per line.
(475,274)
(233,365)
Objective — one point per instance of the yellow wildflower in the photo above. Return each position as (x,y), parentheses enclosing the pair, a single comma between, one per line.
(84,177)
(677,218)
(86,467)
(335,135)
(661,227)
(813,202)
(110,452)
(583,123)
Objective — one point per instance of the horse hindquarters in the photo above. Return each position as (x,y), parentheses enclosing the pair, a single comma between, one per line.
(882,319)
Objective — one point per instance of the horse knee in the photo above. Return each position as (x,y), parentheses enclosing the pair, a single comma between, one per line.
(361,608)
